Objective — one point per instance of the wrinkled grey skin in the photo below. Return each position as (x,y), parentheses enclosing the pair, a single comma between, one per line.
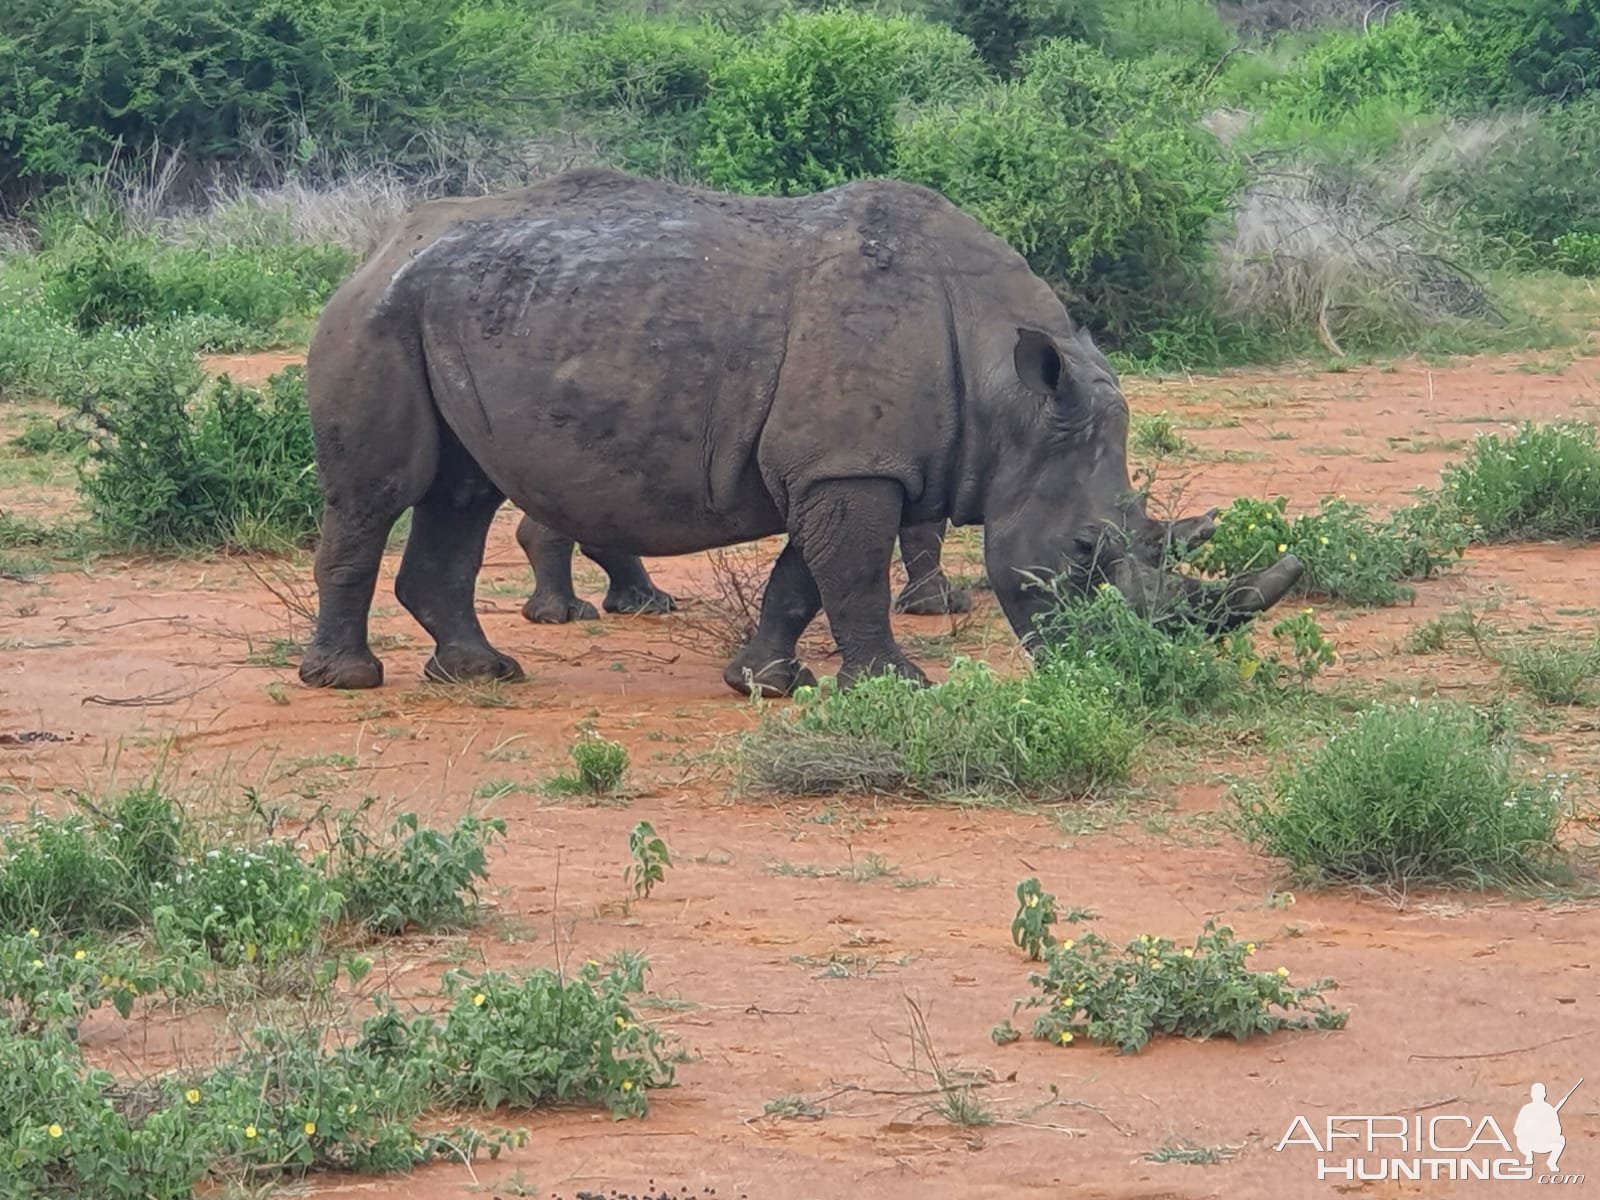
(629,588)
(661,371)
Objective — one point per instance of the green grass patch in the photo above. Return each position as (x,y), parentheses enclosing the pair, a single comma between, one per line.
(1541,482)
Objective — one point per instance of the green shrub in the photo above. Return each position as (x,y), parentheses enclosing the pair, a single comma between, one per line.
(1056,732)
(1528,47)
(247,904)
(809,106)
(1411,794)
(543,1039)
(1518,191)
(1577,253)
(601,766)
(1175,667)
(1559,672)
(105,283)
(1122,997)
(1090,170)
(1184,30)
(230,80)
(416,877)
(79,874)
(1005,30)
(1348,555)
(1541,482)
(174,465)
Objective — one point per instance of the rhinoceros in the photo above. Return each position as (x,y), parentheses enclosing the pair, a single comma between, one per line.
(662,370)
(629,588)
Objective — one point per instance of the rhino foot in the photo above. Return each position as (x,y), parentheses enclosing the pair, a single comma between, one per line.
(894,663)
(651,601)
(454,664)
(933,597)
(546,610)
(779,677)
(353,672)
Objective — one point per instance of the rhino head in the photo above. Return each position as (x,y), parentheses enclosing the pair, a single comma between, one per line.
(1059,505)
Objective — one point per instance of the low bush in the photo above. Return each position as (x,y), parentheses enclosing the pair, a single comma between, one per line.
(1348,555)
(1555,672)
(1411,794)
(1053,733)
(601,766)
(1091,989)
(1541,482)
(176,464)
(1176,668)
(414,877)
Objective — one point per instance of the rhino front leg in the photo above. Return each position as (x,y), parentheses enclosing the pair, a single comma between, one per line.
(554,600)
(927,591)
(789,604)
(847,530)
(438,575)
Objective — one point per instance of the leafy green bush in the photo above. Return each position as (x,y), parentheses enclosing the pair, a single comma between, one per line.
(1411,794)
(176,466)
(1518,192)
(808,107)
(1348,555)
(416,877)
(1528,47)
(1056,732)
(80,874)
(543,1039)
(1090,170)
(244,904)
(1577,253)
(1122,997)
(1541,482)
(1179,668)
(231,79)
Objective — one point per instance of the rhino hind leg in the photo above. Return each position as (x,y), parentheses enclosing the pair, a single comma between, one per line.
(790,602)
(554,600)
(630,590)
(847,530)
(927,591)
(439,571)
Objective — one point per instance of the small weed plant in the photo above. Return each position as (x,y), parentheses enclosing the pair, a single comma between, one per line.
(1036,913)
(1541,482)
(1093,990)
(600,766)
(1415,793)
(413,877)
(1556,672)
(650,860)
(1053,733)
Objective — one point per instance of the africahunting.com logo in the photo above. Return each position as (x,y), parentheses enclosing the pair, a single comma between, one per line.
(1439,1146)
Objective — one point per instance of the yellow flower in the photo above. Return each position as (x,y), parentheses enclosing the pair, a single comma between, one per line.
(192,1095)
(1282,547)
(311,1128)
(1188,951)
(1033,902)
(477,1001)
(1249,947)
(1067,945)
(1144,939)
(1066,1038)
(627,1085)
(622,1023)
(1324,541)
(1250,528)
(1352,556)
(54,1131)
(1283,972)
(1306,612)
(79,956)
(33,933)
(38,962)
(1155,964)
(250,1131)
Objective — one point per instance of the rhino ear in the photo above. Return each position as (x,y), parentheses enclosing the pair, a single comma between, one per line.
(1039,363)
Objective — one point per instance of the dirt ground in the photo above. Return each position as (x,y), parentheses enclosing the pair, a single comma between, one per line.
(782,979)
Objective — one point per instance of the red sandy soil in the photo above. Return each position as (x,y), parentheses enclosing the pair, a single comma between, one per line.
(1458,1002)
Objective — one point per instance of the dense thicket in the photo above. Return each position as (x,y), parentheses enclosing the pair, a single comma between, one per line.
(1175,174)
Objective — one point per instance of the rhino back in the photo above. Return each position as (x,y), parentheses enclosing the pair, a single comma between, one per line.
(655,368)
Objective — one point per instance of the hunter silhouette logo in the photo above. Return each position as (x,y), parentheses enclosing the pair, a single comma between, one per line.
(1538,1127)
(1439,1145)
